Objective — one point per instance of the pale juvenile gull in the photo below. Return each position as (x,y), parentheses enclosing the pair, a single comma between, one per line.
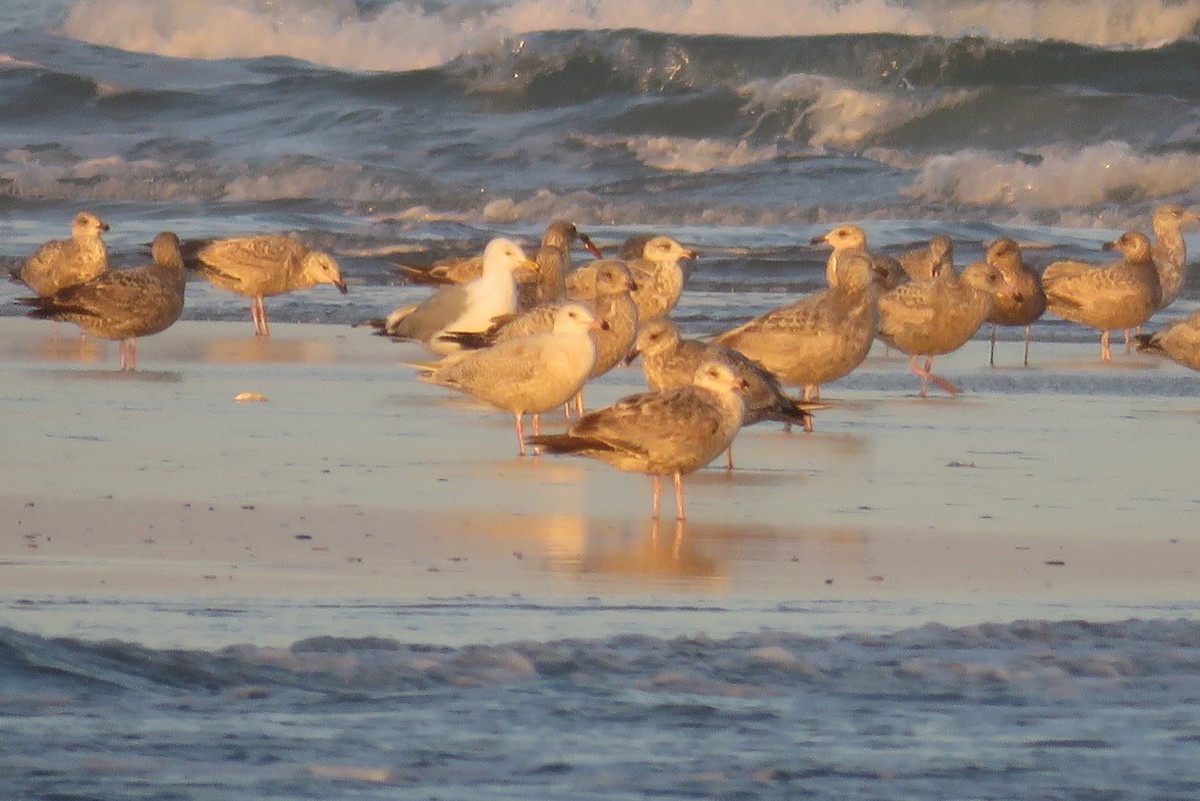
(467,308)
(670,361)
(659,275)
(611,305)
(1170,250)
(1120,295)
(661,433)
(546,282)
(60,263)
(930,318)
(849,240)
(526,375)
(819,338)
(261,266)
(123,304)
(1179,342)
(1020,301)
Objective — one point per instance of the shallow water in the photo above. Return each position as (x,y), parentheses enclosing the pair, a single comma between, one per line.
(386,131)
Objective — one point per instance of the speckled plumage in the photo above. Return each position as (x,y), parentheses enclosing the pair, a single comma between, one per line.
(819,338)
(661,433)
(524,375)
(930,318)
(1170,250)
(261,266)
(1120,295)
(123,304)
(1020,300)
(61,263)
(670,361)
(1179,342)
(660,276)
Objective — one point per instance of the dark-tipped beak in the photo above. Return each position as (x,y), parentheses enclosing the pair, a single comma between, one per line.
(1109,246)
(341,285)
(632,285)
(590,246)
(633,354)
(817,240)
(691,254)
(103,226)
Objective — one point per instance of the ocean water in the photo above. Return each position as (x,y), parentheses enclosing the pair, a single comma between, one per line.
(384,131)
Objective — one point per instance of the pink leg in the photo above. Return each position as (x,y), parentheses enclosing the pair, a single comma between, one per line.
(1028,339)
(128,351)
(729,458)
(520,435)
(655,495)
(1105,350)
(927,376)
(579,403)
(537,430)
(679,515)
(992,354)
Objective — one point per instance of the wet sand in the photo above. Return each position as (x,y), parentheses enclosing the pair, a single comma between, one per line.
(1066,483)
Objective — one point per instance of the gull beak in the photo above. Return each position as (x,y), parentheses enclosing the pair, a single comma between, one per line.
(632,356)
(103,226)
(341,285)
(599,325)
(590,246)
(819,240)
(1109,246)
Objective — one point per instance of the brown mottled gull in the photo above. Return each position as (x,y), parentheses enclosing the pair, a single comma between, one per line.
(123,304)
(261,266)
(930,318)
(468,308)
(64,262)
(669,361)
(659,275)
(1020,300)
(1121,295)
(1170,250)
(819,338)
(923,263)
(661,433)
(1179,342)
(526,375)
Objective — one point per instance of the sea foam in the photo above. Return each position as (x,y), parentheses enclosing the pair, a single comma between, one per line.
(403,36)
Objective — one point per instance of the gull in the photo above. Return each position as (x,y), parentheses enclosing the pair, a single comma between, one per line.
(930,318)
(1021,300)
(670,361)
(610,304)
(661,433)
(260,266)
(123,304)
(658,274)
(525,375)
(921,264)
(819,338)
(468,308)
(61,263)
(1179,342)
(1120,295)
(1170,250)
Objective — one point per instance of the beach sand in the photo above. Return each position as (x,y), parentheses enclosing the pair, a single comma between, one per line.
(1067,484)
